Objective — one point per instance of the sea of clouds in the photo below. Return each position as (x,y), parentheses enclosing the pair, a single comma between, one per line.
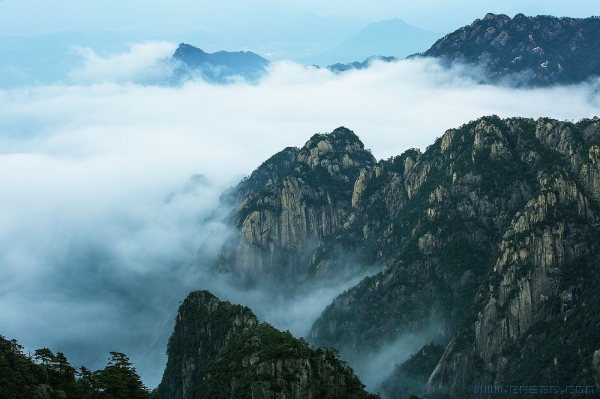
(110,184)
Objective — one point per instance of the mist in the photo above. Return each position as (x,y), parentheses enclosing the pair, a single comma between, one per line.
(109,191)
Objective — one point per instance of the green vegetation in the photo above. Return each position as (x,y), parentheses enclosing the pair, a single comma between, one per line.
(220,350)
(49,375)
(410,377)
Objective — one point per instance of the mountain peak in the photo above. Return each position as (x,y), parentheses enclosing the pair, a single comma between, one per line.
(538,51)
(220,350)
(341,148)
(218,67)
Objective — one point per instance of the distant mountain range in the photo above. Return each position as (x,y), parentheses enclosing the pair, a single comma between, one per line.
(527,51)
(536,51)
(360,65)
(385,38)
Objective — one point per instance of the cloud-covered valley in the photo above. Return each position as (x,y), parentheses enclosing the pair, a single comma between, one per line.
(108,184)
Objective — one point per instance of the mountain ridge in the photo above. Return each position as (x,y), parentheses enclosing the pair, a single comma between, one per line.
(538,51)
(218,67)
(438,222)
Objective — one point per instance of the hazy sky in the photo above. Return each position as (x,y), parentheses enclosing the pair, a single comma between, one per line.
(35,16)
(101,219)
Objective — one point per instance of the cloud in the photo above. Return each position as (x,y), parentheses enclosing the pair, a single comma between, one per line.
(143,63)
(103,209)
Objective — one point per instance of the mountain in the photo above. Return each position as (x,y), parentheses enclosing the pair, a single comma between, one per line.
(385,38)
(220,350)
(219,67)
(538,51)
(359,65)
(487,243)
(291,203)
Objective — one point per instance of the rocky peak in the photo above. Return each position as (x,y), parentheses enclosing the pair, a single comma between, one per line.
(292,202)
(219,350)
(207,324)
(336,151)
(190,54)
(537,51)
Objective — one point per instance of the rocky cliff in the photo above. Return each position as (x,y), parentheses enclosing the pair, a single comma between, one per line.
(290,203)
(487,243)
(496,209)
(220,350)
(537,309)
(540,50)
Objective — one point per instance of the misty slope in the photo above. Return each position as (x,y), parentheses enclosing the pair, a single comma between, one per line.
(385,38)
(543,50)
(220,350)
(219,67)
(486,238)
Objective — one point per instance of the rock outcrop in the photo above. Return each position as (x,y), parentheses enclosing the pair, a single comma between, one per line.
(219,350)
(493,227)
(540,50)
(488,243)
(292,202)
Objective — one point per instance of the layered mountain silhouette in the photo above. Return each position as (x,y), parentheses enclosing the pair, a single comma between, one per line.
(393,37)
(219,67)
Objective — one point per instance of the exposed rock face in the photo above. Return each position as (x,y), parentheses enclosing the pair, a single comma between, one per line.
(220,350)
(485,228)
(541,274)
(206,325)
(488,241)
(290,203)
(544,50)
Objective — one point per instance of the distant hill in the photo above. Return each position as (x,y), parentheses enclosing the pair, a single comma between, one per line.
(386,38)
(219,67)
(360,65)
(542,50)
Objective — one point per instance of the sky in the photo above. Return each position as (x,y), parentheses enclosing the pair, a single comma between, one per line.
(109,185)
(34,16)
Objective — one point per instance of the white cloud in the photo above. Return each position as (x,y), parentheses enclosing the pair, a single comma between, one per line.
(91,253)
(143,63)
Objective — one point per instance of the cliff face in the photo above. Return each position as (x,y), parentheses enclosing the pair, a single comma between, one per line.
(544,50)
(533,307)
(220,350)
(487,241)
(290,203)
(493,226)
(203,327)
